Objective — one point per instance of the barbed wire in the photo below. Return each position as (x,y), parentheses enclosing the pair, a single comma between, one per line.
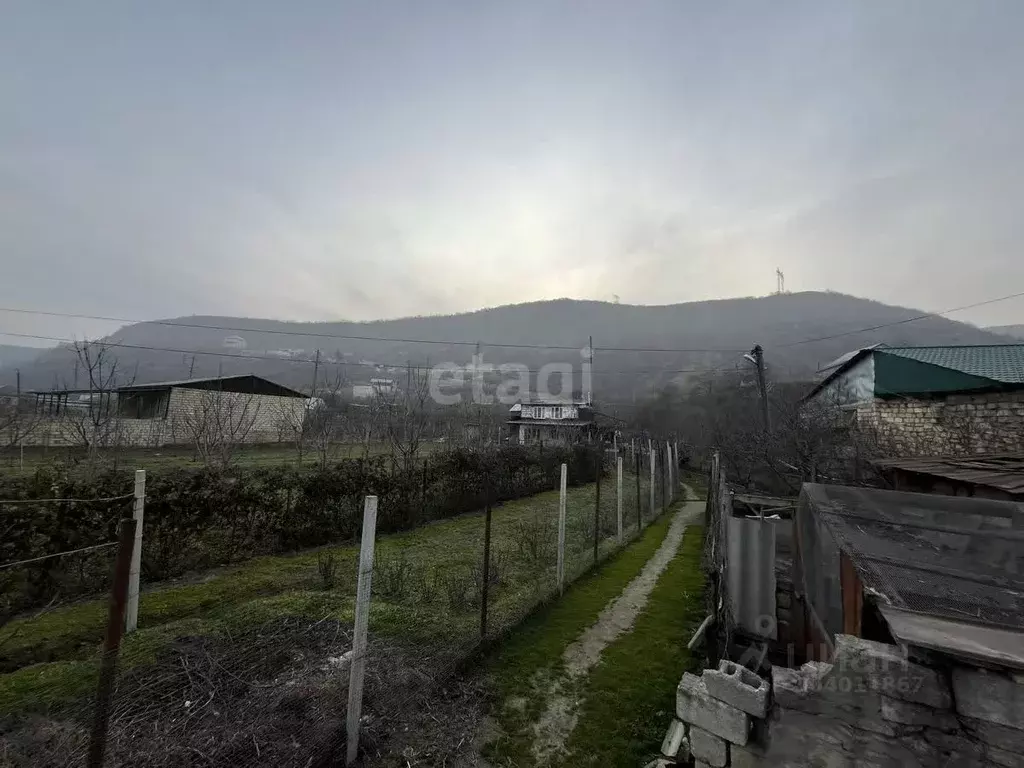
(58,554)
(98,500)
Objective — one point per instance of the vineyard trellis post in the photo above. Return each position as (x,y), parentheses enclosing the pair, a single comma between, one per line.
(111,642)
(654,484)
(639,501)
(138,511)
(618,497)
(599,462)
(560,567)
(357,671)
(485,584)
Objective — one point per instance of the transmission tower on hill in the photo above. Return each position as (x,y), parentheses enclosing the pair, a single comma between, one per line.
(780,282)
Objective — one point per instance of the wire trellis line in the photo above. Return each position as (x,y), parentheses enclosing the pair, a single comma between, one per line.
(102,499)
(58,554)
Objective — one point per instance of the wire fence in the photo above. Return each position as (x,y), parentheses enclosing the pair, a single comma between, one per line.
(252,666)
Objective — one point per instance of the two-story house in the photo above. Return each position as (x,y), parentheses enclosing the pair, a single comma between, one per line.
(552,421)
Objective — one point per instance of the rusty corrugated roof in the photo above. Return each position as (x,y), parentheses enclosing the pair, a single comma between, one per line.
(1004,471)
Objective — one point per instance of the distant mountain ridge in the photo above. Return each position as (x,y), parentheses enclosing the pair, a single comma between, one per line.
(701,335)
(13,355)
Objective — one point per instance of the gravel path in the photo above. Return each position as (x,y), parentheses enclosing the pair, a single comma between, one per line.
(552,730)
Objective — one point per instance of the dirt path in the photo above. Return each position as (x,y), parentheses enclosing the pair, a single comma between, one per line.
(552,730)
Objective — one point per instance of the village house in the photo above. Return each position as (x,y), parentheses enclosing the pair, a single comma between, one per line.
(952,400)
(552,421)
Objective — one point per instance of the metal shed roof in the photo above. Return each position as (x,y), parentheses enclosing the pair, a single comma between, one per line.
(999,362)
(245,384)
(955,558)
(1005,472)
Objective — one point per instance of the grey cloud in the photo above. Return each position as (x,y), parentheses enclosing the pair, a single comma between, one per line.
(344,160)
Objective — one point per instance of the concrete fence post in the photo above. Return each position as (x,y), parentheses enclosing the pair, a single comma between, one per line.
(618,496)
(131,615)
(671,472)
(560,568)
(357,672)
(654,485)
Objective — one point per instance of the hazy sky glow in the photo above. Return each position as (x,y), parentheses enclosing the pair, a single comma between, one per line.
(323,160)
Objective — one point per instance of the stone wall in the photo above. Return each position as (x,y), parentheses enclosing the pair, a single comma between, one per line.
(957,424)
(870,707)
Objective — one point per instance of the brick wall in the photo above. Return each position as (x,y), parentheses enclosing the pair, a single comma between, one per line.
(272,419)
(958,424)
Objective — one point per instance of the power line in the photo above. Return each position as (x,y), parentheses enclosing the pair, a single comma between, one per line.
(310,360)
(315,335)
(904,321)
(459,342)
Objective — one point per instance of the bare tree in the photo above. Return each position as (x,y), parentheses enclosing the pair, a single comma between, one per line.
(91,421)
(217,423)
(403,415)
(323,425)
(18,422)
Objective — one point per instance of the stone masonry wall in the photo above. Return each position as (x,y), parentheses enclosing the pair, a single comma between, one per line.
(958,424)
(870,707)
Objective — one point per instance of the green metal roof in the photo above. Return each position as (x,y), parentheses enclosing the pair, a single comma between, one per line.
(1002,363)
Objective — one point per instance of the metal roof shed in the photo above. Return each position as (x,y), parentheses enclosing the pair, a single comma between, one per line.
(942,573)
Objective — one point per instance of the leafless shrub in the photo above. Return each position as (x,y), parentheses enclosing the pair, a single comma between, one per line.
(458,588)
(327,567)
(392,576)
(534,540)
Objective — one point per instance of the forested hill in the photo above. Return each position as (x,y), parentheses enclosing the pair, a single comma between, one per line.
(701,334)
(1017,331)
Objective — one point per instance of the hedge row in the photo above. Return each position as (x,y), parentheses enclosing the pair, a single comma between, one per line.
(197,519)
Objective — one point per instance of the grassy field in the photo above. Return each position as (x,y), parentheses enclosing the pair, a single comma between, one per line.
(173,457)
(426,588)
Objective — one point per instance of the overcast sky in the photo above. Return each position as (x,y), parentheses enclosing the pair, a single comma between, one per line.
(320,160)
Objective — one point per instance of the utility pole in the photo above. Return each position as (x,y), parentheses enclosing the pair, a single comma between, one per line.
(757,355)
(590,355)
(316,370)
(192,366)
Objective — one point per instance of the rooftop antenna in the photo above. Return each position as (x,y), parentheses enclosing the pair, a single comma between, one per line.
(780,281)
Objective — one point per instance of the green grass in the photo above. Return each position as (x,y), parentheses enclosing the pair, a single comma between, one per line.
(533,652)
(62,644)
(629,698)
(175,457)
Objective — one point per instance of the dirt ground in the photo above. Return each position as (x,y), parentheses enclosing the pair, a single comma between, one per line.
(275,697)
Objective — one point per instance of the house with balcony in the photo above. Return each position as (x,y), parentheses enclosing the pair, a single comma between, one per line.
(550,421)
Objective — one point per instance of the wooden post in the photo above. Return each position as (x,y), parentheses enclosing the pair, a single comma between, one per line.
(111,643)
(131,619)
(358,669)
(485,586)
(618,498)
(560,567)
(597,501)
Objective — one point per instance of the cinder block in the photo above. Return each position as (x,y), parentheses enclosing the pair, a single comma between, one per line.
(708,747)
(695,706)
(989,696)
(738,686)
(675,744)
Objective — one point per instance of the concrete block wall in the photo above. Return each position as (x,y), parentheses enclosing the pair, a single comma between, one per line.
(871,707)
(957,424)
